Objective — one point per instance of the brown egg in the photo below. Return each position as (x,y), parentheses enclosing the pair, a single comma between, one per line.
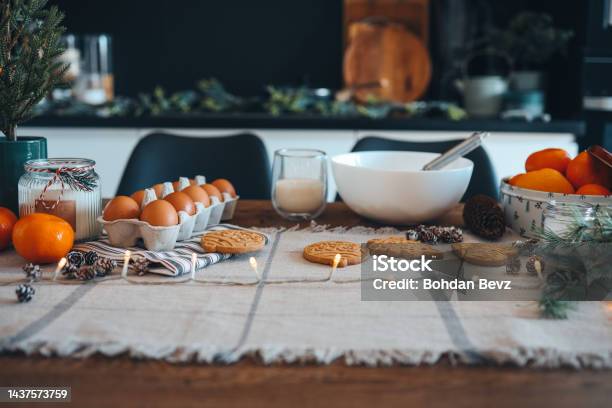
(197,194)
(181,202)
(121,208)
(192,182)
(159,213)
(138,196)
(159,189)
(212,191)
(224,186)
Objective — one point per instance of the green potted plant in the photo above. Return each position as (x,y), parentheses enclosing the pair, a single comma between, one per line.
(29,70)
(531,39)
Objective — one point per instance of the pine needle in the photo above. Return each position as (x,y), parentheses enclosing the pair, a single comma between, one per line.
(554,308)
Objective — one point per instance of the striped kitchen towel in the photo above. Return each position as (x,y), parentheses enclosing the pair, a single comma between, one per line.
(176,262)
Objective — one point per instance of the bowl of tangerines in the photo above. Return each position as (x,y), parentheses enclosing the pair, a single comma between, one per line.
(552,175)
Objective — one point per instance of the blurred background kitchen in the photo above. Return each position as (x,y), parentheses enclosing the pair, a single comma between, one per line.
(325,73)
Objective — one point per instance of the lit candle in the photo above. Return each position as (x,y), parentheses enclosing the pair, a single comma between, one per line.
(194,259)
(299,195)
(335,263)
(60,265)
(253,263)
(126,263)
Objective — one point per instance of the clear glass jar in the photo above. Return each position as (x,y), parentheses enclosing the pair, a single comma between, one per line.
(66,187)
(299,183)
(95,84)
(560,216)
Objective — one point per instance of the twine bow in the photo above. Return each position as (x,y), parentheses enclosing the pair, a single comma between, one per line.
(78,178)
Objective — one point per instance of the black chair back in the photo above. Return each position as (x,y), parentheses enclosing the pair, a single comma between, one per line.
(483,178)
(240,158)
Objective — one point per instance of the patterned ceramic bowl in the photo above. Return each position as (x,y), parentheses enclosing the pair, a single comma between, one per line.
(523,208)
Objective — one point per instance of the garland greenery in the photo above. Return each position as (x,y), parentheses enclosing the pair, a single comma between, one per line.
(210,96)
(29,47)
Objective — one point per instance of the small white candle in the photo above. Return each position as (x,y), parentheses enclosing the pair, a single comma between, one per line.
(194,259)
(335,263)
(59,267)
(126,263)
(253,263)
(299,195)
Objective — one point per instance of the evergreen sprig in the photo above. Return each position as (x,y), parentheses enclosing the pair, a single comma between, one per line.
(582,254)
(79,181)
(29,68)
(554,308)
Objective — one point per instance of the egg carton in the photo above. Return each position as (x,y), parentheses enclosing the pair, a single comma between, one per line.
(126,233)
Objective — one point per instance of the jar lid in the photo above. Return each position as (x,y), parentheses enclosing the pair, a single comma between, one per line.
(54,164)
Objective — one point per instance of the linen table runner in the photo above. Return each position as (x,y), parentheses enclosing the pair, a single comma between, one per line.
(277,322)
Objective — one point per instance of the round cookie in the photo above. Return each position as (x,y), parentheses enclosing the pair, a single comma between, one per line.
(233,241)
(399,246)
(324,252)
(484,254)
(396,239)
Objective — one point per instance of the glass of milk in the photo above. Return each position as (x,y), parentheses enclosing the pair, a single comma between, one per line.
(299,183)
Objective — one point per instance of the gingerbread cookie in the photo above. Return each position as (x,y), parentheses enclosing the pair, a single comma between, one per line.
(233,241)
(484,254)
(402,247)
(324,252)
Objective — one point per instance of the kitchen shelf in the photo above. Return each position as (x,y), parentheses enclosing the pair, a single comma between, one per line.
(263,121)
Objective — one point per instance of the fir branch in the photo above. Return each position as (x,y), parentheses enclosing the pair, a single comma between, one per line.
(554,308)
(79,181)
(29,47)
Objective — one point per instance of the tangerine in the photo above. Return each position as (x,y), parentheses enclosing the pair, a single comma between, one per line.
(593,189)
(7,222)
(42,238)
(549,180)
(552,158)
(584,169)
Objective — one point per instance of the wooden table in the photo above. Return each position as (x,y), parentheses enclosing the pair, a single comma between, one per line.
(100,381)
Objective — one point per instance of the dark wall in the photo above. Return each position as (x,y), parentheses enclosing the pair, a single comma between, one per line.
(250,43)
(244,43)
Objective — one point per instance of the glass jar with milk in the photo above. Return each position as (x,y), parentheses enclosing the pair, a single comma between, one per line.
(299,183)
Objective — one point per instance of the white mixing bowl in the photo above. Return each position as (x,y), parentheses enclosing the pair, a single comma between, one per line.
(390,187)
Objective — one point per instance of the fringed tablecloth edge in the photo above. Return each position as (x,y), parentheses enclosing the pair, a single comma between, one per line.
(545,358)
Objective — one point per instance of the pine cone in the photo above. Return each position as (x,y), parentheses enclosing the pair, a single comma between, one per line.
(425,234)
(70,271)
(451,235)
(76,258)
(484,217)
(24,293)
(32,272)
(526,247)
(90,257)
(535,265)
(104,266)
(140,265)
(86,274)
(513,266)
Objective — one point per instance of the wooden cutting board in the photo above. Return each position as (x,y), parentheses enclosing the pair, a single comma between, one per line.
(387,54)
